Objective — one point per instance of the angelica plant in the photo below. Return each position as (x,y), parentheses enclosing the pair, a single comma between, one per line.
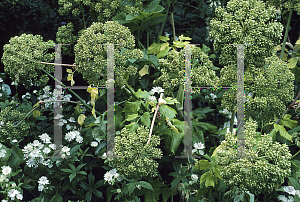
(265,164)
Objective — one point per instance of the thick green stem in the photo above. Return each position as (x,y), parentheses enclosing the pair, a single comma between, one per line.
(164,22)
(286,33)
(148,36)
(173,25)
(83,18)
(98,113)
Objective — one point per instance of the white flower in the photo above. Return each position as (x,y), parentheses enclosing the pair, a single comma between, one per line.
(138,186)
(1,80)
(30,162)
(6,170)
(167,34)
(199,145)
(161,101)
(45,138)
(58,116)
(290,199)
(194,177)
(35,153)
(52,146)
(47,150)
(94,144)
(201,152)
(2,153)
(41,187)
(151,98)
(69,127)
(297,192)
(290,189)
(35,91)
(79,139)
(118,190)
(2,178)
(70,136)
(213,96)
(108,177)
(12,193)
(43,180)
(19,196)
(282,198)
(65,149)
(72,119)
(14,140)
(36,143)
(191,182)
(156,90)
(3,200)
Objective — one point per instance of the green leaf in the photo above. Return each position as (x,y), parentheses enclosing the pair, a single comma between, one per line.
(56,198)
(173,139)
(171,100)
(146,119)
(294,183)
(183,38)
(164,38)
(206,126)
(74,150)
(131,187)
(209,179)
(154,48)
(132,117)
(202,165)
(153,7)
(16,157)
(287,122)
(72,176)
(142,94)
(120,18)
(132,106)
(175,182)
(292,63)
(81,119)
(154,60)
(145,185)
(163,53)
(132,126)
(167,112)
(283,133)
(273,135)
(144,70)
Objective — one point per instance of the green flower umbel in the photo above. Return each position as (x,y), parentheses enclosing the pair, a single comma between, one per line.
(138,156)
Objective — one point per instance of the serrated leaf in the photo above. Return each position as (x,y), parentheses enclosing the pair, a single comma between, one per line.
(81,119)
(132,106)
(131,187)
(294,183)
(202,165)
(57,198)
(145,185)
(132,117)
(167,112)
(146,119)
(283,133)
(144,70)
(132,126)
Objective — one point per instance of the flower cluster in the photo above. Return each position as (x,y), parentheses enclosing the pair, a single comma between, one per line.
(173,71)
(198,148)
(111,176)
(135,156)
(211,96)
(100,11)
(74,135)
(43,182)
(270,90)
(65,35)
(35,153)
(21,59)
(245,22)
(13,191)
(91,52)
(194,179)
(264,165)
(8,125)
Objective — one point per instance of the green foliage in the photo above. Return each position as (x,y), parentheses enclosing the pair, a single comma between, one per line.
(264,165)
(64,35)
(135,157)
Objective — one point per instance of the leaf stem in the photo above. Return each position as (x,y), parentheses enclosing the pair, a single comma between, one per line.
(286,33)
(153,120)
(83,18)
